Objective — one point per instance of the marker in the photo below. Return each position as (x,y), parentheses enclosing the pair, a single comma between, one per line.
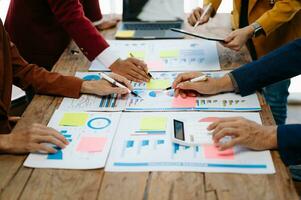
(203,15)
(114,82)
(200,78)
(149,74)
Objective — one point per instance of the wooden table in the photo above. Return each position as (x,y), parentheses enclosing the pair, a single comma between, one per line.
(18,182)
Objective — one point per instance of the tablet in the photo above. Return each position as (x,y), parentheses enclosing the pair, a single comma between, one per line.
(198,36)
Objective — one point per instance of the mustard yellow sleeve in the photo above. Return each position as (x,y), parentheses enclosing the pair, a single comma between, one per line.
(215,5)
(282,12)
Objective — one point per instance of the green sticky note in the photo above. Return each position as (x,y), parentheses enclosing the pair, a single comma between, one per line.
(158,84)
(170,54)
(153,123)
(74,119)
(137,54)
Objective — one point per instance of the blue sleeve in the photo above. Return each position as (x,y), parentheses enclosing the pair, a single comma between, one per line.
(289,143)
(280,64)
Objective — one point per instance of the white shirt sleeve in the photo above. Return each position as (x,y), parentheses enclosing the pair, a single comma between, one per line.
(107,57)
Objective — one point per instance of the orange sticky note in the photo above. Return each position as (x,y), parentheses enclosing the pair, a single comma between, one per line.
(155,65)
(91,144)
(211,152)
(188,102)
(209,119)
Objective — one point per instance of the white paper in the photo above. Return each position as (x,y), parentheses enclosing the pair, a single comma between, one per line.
(192,55)
(99,125)
(17,93)
(155,152)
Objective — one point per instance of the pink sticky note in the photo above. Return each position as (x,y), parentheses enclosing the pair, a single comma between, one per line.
(91,144)
(209,119)
(211,152)
(188,102)
(155,65)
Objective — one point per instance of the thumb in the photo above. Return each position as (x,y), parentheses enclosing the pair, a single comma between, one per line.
(117,90)
(229,38)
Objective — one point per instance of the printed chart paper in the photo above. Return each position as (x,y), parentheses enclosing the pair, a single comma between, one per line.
(92,102)
(167,55)
(90,138)
(155,98)
(146,146)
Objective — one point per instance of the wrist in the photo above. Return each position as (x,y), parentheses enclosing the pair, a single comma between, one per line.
(225,84)
(271,132)
(4,143)
(86,87)
(250,31)
(116,63)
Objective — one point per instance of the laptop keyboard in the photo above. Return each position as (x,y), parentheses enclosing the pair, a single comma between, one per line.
(150,26)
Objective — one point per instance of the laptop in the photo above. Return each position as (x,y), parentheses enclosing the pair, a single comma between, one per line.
(151,19)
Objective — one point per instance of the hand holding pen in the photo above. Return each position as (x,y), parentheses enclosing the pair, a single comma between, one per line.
(200,15)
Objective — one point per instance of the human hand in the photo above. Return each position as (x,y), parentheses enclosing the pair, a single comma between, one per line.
(131,68)
(243,132)
(108,24)
(32,139)
(195,16)
(103,87)
(185,88)
(236,39)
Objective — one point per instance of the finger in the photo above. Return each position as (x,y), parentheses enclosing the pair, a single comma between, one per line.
(197,14)
(54,133)
(188,86)
(122,80)
(225,132)
(229,38)
(177,92)
(183,94)
(140,75)
(140,64)
(132,78)
(221,120)
(185,77)
(49,139)
(191,94)
(225,125)
(230,144)
(42,148)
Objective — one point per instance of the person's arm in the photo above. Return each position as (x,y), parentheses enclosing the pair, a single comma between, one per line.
(283,11)
(289,137)
(215,5)
(281,64)
(92,11)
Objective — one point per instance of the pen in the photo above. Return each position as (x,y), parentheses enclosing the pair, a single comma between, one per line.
(109,79)
(200,78)
(203,15)
(149,74)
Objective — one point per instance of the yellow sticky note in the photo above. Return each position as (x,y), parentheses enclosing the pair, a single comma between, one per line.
(137,54)
(74,119)
(170,54)
(125,34)
(153,123)
(158,84)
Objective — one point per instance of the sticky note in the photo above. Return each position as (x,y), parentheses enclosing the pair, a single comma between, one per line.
(153,123)
(188,102)
(125,34)
(74,119)
(91,144)
(155,65)
(137,54)
(209,119)
(170,54)
(158,84)
(211,152)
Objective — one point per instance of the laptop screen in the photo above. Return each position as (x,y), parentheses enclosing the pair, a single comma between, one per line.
(153,10)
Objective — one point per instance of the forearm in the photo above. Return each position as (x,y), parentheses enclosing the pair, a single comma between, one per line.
(278,65)
(215,5)
(3,143)
(289,137)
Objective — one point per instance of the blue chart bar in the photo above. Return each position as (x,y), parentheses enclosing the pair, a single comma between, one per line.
(130,144)
(176,148)
(160,141)
(67,136)
(145,142)
(197,149)
(56,156)
(151,132)
(187,147)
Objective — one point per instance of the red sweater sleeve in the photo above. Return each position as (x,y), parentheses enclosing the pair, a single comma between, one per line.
(42,81)
(92,10)
(70,14)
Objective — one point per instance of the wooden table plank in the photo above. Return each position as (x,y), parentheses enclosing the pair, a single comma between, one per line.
(18,182)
